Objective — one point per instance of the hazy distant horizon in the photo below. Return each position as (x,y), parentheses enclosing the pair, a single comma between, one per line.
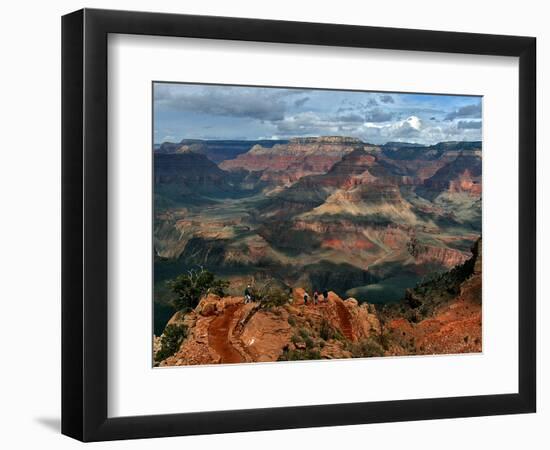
(308,136)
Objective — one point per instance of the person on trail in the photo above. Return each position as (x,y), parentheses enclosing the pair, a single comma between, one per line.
(315,297)
(325,295)
(247,294)
(306,297)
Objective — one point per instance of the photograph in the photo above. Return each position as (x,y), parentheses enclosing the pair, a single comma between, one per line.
(267,226)
(296,224)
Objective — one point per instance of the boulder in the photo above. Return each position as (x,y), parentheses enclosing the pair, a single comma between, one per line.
(208,305)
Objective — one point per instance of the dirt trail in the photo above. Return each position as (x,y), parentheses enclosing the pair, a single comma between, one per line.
(345,319)
(218,336)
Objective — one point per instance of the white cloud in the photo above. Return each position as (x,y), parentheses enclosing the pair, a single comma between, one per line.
(413,122)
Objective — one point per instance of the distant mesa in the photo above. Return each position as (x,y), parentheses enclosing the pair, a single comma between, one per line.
(326,140)
(300,157)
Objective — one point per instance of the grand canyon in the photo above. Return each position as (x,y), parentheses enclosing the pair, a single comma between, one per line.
(389,233)
(314,224)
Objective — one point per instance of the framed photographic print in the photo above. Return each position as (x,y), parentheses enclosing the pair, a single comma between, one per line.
(273,224)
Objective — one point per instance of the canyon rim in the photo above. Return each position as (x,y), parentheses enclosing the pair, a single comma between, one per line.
(306,224)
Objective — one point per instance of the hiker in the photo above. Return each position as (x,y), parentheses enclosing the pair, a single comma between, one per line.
(315,297)
(247,294)
(305,298)
(325,295)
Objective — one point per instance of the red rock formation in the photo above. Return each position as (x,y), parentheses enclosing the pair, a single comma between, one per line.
(287,163)
(225,330)
(447,257)
(461,175)
(466,183)
(455,326)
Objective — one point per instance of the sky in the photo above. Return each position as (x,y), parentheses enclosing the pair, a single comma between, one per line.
(199,111)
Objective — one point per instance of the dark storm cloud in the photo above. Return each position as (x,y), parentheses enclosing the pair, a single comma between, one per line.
(386,99)
(469,125)
(378,115)
(372,102)
(223,101)
(300,102)
(350,117)
(468,111)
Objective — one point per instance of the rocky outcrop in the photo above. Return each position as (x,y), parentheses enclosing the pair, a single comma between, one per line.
(465,182)
(440,316)
(226,330)
(444,256)
(463,174)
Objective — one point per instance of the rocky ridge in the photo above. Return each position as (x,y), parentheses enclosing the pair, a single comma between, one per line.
(440,316)
(226,330)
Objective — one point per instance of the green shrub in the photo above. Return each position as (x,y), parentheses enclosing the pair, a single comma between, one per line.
(304,333)
(170,341)
(309,342)
(365,348)
(271,297)
(299,355)
(327,332)
(190,287)
(338,336)
(385,340)
(312,354)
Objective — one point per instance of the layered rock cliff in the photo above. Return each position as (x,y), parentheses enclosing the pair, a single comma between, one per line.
(287,163)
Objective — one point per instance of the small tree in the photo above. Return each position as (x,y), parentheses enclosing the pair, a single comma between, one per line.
(191,286)
(170,342)
(271,296)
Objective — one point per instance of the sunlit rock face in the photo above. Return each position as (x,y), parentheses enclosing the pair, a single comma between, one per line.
(287,163)
(228,330)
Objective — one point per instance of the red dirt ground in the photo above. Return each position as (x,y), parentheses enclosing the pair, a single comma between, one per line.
(218,337)
(345,319)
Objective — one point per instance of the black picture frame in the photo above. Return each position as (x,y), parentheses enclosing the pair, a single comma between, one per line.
(84,224)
